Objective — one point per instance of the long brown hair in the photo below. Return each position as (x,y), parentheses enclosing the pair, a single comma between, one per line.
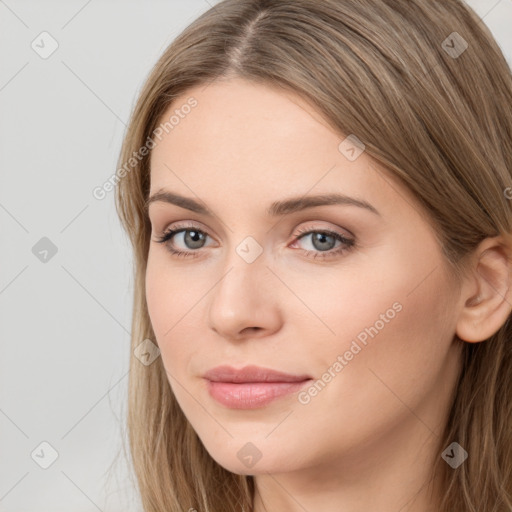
(423,84)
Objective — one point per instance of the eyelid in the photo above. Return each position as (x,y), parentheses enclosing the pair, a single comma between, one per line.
(181,226)
(343,232)
(184,225)
(346,242)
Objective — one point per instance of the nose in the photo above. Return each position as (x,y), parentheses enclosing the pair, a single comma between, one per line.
(244,303)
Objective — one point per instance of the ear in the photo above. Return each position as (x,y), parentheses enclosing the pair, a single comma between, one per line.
(487,292)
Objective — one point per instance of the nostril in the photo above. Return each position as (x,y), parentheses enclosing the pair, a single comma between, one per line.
(252,329)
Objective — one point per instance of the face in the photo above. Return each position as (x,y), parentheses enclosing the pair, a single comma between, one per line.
(353,298)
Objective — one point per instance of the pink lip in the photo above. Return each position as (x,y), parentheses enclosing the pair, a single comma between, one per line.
(252,386)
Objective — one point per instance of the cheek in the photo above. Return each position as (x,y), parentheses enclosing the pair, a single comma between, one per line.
(157,298)
(399,367)
(398,301)
(172,298)
(394,341)
(398,321)
(163,297)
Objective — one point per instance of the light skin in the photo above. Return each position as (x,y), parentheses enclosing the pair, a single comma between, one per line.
(366,441)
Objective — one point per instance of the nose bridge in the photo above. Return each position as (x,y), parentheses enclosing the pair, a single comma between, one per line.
(245,262)
(243,297)
(242,281)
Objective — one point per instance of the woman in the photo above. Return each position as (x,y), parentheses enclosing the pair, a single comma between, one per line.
(320,215)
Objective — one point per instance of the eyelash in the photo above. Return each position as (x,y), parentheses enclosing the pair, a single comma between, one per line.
(348,243)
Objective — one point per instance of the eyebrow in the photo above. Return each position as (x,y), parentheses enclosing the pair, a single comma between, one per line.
(277,208)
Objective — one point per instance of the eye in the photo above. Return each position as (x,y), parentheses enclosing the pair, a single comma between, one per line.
(193,237)
(322,241)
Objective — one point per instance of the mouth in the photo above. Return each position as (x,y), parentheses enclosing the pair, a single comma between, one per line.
(252,386)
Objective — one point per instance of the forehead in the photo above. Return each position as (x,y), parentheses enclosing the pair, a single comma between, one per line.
(249,140)
(239,119)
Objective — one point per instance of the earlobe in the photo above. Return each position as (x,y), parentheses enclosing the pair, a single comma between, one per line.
(488,300)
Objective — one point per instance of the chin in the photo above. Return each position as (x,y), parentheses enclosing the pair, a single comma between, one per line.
(246,459)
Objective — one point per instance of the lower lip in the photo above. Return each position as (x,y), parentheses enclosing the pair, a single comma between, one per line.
(251,395)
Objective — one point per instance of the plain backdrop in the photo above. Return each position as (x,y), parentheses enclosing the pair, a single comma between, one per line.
(66,266)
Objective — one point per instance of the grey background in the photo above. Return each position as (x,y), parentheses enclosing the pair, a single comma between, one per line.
(65,323)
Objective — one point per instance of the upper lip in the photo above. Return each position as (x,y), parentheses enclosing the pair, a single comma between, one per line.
(251,373)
